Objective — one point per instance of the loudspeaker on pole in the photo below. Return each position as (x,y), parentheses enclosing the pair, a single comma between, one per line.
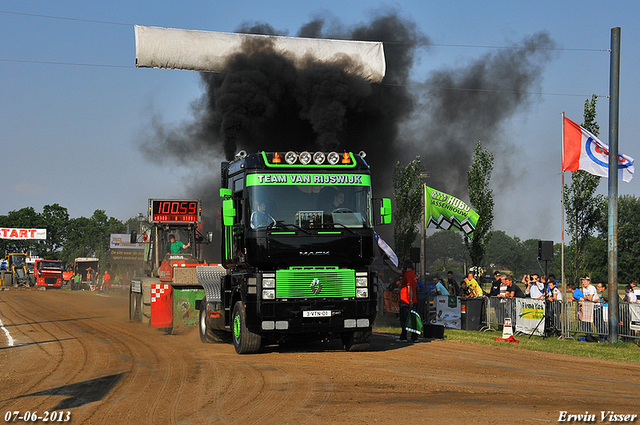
(545,250)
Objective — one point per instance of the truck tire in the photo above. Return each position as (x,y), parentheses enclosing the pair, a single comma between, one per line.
(206,333)
(357,341)
(244,340)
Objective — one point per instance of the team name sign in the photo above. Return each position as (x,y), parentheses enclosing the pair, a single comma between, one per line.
(311,179)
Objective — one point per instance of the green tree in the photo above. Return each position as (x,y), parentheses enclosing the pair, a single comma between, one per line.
(56,220)
(89,237)
(446,249)
(481,197)
(407,187)
(503,251)
(596,259)
(517,257)
(628,238)
(583,206)
(24,218)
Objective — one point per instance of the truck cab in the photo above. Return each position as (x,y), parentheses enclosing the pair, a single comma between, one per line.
(173,239)
(298,244)
(48,273)
(89,269)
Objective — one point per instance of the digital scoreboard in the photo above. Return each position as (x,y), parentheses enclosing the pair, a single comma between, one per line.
(175,211)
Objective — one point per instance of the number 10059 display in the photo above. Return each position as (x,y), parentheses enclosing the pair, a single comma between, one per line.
(176,211)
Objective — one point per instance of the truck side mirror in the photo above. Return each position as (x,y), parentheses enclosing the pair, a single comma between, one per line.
(134,236)
(210,236)
(228,212)
(385,211)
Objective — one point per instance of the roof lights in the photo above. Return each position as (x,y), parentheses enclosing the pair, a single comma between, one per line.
(309,159)
(291,157)
(333,158)
(305,158)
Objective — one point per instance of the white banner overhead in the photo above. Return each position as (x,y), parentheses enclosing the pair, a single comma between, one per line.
(208,51)
(23,234)
(119,240)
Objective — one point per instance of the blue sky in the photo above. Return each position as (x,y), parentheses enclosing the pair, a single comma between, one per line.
(70,133)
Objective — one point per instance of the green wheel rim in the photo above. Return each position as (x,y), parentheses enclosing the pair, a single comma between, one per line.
(236,327)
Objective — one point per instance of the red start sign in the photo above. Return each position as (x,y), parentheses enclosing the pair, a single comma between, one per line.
(11,233)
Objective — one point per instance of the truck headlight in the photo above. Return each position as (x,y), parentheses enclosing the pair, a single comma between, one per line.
(268,294)
(362,292)
(361,281)
(268,282)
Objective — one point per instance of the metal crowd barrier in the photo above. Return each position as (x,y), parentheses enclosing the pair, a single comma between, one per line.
(567,318)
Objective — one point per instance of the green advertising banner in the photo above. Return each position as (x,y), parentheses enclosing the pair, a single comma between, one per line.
(444,211)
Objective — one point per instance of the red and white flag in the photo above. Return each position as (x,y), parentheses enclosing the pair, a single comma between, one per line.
(583,151)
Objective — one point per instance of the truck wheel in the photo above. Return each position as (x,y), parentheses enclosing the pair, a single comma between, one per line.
(244,340)
(206,333)
(357,341)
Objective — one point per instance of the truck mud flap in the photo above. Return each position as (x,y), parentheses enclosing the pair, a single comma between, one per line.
(210,277)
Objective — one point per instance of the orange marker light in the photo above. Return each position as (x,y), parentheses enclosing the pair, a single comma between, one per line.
(276,158)
(346,159)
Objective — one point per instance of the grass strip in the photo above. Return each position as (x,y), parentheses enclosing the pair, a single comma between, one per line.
(626,352)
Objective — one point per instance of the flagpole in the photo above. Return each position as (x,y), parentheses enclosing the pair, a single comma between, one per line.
(614,99)
(564,286)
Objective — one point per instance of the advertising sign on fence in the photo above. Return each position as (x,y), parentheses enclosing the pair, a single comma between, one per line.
(530,316)
(392,301)
(634,323)
(448,311)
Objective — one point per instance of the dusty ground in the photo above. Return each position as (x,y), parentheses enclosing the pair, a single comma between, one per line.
(76,351)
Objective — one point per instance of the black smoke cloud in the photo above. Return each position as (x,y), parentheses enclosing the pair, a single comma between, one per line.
(263,102)
(466,104)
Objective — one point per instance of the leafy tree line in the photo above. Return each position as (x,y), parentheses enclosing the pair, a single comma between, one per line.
(446,251)
(67,238)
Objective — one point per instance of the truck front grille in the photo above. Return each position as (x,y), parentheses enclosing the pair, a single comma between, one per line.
(315,282)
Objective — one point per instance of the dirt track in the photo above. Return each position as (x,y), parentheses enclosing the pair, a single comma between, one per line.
(76,351)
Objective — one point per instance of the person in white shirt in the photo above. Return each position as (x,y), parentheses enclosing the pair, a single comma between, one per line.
(554,293)
(630,296)
(534,287)
(590,292)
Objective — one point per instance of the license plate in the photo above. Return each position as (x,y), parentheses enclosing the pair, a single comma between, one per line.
(136,286)
(316,313)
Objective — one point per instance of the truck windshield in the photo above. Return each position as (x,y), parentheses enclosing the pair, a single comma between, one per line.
(51,265)
(181,238)
(18,260)
(308,206)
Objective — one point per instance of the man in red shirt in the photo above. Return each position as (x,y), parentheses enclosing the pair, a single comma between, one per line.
(408,297)
(106,283)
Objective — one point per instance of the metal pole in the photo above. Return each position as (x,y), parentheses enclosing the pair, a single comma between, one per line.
(423,236)
(564,286)
(612,213)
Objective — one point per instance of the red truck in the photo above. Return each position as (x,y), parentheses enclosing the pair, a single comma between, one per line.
(48,273)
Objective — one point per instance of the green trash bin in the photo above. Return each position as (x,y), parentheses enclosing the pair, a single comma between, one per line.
(471,313)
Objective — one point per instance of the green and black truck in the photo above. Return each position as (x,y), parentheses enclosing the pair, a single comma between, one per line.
(298,243)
